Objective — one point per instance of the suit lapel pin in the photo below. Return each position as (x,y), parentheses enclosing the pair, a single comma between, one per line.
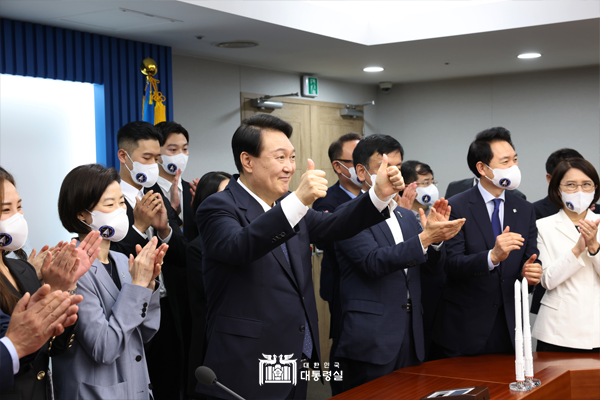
(399,214)
(515,210)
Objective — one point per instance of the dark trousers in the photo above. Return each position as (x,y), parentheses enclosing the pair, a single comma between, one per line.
(543,346)
(499,342)
(164,357)
(357,372)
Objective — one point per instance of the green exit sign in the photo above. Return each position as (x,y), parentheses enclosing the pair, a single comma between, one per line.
(310,86)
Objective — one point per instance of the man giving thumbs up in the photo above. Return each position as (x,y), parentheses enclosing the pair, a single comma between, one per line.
(257,263)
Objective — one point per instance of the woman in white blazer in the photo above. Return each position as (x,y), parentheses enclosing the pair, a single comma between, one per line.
(120,310)
(569,316)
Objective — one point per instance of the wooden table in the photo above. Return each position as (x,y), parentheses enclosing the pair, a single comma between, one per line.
(564,376)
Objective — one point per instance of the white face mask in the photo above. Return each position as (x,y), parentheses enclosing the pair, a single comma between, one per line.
(13,232)
(508,179)
(172,163)
(373,179)
(145,175)
(112,226)
(427,195)
(577,202)
(353,178)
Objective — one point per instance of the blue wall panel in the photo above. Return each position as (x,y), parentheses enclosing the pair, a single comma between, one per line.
(47,52)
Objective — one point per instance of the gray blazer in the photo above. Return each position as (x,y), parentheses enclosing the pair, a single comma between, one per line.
(107,360)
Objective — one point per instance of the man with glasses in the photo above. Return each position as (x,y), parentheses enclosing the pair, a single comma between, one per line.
(431,285)
(345,189)
(427,191)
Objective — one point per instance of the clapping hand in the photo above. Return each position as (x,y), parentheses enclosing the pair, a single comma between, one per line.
(61,271)
(142,267)
(437,226)
(159,254)
(174,192)
(193,187)
(37,260)
(532,271)
(408,197)
(589,230)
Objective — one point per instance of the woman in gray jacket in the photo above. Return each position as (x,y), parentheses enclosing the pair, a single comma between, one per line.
(120,310)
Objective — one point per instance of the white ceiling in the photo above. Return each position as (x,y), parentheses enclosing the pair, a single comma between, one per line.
(336,39)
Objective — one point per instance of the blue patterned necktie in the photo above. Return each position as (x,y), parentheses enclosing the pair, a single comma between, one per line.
(496,225)
(307,346)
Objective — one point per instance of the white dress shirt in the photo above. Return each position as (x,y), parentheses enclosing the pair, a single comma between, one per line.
(488,198)
(13,353)
(165,186)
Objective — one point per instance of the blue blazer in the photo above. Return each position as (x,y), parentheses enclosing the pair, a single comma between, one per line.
(473,294)
(107,358)
(374,286)
(6,362)
(257,302)
(329,268)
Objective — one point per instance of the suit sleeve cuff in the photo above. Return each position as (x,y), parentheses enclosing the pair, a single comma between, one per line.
(293,209)
(13,353)
(379,204)
(491,265)
(140,233)
(166,240)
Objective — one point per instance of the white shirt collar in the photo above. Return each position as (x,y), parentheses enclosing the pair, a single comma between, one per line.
(262,203)
(131,193)
(165,184)
(487,196)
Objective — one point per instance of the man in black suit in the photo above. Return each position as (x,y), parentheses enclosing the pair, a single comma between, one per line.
(456,187)
(496,246)
(256,235)
(544,208)
(150,214)
(381,268)
(345,189)
(174,158)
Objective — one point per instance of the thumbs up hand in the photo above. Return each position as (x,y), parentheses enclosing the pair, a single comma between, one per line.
(506,242)
(532,271)
(313,185)
(389,180)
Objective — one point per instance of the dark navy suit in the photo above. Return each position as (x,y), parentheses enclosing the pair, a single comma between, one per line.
(330,275)
(477,313)
(373,292)
(258,304)
(6,365)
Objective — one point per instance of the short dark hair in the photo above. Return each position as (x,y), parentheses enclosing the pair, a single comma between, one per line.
(555,158)
(559,172)
(480,149)
(409,173)
(382,144)
(248,137)
(81,190)
(419,167)
(335,149)
(169,128)
(208,184)
(130,134)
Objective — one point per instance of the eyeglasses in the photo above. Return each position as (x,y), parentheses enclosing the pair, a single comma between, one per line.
(427,183)
(342,160)
(586,187)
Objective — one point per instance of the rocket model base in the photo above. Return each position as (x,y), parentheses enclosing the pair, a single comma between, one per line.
(519,386)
